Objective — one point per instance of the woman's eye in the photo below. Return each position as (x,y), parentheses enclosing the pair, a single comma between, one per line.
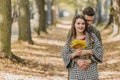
(78,23)
(83,23)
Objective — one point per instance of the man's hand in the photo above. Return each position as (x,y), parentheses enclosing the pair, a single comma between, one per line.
(83,64)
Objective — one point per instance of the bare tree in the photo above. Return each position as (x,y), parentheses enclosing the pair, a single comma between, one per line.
(54,19)
(5,30)
(24,21)
(98,12)
(5,27)
(42,16)
(116,18)
(110,20)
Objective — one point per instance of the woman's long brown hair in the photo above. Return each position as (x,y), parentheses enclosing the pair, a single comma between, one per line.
(73,30)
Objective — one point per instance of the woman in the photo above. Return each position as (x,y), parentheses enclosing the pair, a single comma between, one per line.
(80,68)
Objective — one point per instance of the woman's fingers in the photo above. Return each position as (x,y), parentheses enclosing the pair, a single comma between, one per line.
(83,67)
(83,52)
(87,62)
(82,64)
(79,52)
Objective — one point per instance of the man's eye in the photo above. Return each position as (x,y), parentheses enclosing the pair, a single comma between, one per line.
(89,20)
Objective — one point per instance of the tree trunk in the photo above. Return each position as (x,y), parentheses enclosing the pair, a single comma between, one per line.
(54,19)
(38,30)
(5,31)
(49,12)
(110,20)
(116,19)
(106,7)
(42,16)
(24,21)
(5,27)
(98,12)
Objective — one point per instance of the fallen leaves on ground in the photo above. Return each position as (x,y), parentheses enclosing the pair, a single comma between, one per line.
(44,60)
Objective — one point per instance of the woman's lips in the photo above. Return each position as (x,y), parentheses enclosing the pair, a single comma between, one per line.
(81,28)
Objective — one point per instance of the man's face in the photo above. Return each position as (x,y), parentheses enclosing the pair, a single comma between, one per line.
(89,19)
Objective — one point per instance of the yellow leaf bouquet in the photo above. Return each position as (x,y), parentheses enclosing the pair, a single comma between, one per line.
(81,44)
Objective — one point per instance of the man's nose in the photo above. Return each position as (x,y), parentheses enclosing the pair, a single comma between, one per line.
(90,22)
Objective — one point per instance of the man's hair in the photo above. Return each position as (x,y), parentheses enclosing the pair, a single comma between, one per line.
(89,11)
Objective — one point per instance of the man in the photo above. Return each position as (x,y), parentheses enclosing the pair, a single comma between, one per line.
(89,15)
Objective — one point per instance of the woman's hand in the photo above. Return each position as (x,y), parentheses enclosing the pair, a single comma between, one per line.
(87,62)
(76,53)
(83,64)
(79,52)
(86,52)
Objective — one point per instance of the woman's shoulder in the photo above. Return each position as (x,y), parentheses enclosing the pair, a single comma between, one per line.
(92,35)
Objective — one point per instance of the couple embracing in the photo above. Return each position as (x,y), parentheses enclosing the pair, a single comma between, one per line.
(83,49)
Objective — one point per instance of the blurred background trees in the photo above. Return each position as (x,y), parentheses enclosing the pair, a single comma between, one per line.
(24,21)
(5,31)
(50,12)
(116,17)
(44,14)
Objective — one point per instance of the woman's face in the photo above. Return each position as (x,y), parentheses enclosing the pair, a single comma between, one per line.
(79,25)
